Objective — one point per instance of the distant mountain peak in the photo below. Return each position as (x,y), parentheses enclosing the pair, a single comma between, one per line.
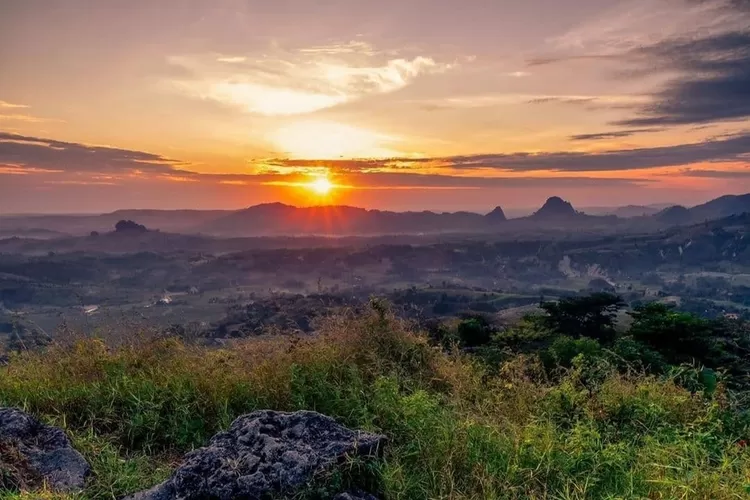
(496,214)
(272,204)
(676,214)
(556,207)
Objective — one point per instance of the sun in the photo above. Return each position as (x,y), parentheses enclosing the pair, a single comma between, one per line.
(320,186)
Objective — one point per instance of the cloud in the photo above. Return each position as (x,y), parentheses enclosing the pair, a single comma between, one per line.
(698,49)
(543,61)
(613,135)
(383,180)
(11,169)
(36,154)
(8,105)
(232,59)
(301,81)
(65,182)
(730,5)
(563,100)
(628,24)
(717,174)
(713,83)
(352,47)
(501,99)
(265,100)
(592,102)
(80,163)
(26,118)
(717,150)
(20,117)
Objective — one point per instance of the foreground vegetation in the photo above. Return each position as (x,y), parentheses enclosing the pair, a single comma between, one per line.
(576,418)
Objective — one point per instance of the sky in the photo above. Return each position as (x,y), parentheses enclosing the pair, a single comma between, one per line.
(395,104)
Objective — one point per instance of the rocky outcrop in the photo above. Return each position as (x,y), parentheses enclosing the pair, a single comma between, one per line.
(496,215)
(555,207)
(33,454)
(265,453)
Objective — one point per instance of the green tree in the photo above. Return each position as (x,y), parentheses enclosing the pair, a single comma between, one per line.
(474,331)
(591,316)
(678,336)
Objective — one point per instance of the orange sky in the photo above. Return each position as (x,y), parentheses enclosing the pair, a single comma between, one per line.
(397,104)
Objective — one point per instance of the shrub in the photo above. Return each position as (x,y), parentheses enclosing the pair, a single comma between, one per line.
(474,331)
(564,350)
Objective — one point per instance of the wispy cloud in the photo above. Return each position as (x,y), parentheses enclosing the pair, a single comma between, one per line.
(9,105)
(231,59)
(302,81)
(714,81)
(68,182)
(717,174)
(14,115)
(501,99)
(11,169)
(631,24)
(351,47)
(26,118)
(614,134)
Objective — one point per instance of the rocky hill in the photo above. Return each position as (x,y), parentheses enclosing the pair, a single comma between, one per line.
(555,207)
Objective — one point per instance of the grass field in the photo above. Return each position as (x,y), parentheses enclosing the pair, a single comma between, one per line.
(457,429)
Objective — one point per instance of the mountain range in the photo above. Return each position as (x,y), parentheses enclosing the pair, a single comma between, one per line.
(274,219)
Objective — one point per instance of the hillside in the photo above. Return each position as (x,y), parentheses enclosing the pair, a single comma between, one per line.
(520,412)
(633,211)
(719,208)
(723,206)
(277,218)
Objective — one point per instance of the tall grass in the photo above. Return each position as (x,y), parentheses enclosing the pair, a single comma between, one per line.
(457,430)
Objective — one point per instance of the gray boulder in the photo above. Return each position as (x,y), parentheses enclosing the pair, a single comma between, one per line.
(39,451)
(264,453)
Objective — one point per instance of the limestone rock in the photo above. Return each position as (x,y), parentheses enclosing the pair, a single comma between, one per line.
(41,451)
(264,453)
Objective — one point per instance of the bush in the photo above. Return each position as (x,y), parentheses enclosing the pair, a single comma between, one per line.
(628,354)
(474,331)
(564,350)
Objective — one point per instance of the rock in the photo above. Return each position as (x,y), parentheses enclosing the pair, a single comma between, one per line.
(262,454)
(41,452)
(555,207)
(497,215)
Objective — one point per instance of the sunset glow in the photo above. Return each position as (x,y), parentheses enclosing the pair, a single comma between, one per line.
(330,140)
(217,104)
